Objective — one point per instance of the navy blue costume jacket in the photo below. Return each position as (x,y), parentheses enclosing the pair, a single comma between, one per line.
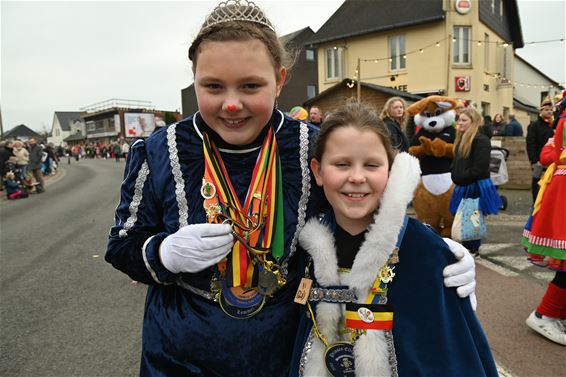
(435,333)
(185,333)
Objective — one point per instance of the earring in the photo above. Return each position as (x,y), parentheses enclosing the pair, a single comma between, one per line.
(276,102)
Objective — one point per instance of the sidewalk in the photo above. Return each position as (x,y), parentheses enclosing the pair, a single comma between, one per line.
(519,206)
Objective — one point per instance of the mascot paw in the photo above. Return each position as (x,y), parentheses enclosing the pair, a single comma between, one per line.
(440,148)
(426,145)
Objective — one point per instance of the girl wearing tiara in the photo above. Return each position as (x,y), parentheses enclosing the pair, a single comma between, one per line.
(210,210)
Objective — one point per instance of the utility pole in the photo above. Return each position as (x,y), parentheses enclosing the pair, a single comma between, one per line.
(1,126)
(359,74)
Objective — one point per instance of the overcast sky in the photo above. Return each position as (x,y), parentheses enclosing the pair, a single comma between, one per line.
(62,56)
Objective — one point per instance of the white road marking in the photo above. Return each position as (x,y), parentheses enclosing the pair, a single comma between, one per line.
(489,248)
(497,268)
(519,262)
(502,371)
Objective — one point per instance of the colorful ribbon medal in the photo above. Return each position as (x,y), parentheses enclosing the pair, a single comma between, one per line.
(257,225)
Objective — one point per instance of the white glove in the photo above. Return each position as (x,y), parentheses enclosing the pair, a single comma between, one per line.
(196,247)
(461,274)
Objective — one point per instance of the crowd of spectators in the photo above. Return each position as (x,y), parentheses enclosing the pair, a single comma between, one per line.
(114,150)
(24,164)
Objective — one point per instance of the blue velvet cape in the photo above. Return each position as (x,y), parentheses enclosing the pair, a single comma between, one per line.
(436,333)
(185,334)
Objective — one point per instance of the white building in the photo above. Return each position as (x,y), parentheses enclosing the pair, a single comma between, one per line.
(61,126)
(531,86)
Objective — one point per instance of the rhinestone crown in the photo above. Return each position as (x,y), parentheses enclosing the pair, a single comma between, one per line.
(237,10)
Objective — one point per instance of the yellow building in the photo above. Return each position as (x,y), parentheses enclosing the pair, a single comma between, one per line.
(459,48)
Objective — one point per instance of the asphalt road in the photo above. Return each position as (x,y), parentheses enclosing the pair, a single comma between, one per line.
(64,311)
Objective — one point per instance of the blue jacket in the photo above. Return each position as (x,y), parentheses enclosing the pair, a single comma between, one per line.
(514,128)
(435,332)
(185,333)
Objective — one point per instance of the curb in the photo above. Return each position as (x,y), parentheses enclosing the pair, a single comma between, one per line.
(48,181)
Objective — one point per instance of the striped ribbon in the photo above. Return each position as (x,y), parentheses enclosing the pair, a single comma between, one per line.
(259,220)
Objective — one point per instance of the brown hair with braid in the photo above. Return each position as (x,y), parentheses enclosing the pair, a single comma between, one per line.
(241,31)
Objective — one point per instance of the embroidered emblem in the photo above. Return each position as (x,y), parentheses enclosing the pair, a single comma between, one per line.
(386,274)
(207,190)
(366,315)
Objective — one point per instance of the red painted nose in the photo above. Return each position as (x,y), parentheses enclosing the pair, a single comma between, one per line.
(231,107)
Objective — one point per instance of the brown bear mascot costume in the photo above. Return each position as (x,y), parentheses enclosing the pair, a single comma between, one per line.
(433,145)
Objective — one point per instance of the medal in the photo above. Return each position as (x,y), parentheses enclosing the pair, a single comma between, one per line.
(258,220)
(267,282)
(339,359)
(240,303)
(207,189)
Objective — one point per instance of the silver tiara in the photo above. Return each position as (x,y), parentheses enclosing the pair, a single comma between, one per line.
(237,10)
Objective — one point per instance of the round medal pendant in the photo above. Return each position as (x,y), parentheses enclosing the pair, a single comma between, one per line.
(267,282)
(207,190)
(240,303)
(339,359)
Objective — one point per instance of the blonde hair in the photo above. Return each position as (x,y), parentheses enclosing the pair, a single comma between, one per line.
(387,108)
(464,139)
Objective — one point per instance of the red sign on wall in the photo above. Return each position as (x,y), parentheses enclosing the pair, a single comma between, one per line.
(463,83)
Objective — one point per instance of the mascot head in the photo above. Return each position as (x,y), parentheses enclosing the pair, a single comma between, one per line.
(434,113)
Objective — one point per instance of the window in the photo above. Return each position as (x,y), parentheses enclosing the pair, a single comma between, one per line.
(462,45)
(334,63)
(492,6)
(543,95)
(486,52)
(485,109)
(505,54)
(309,55)
(311,91)
(397,52)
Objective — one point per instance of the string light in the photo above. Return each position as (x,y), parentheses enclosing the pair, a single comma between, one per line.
(499,76)
(421,50)
(479,43)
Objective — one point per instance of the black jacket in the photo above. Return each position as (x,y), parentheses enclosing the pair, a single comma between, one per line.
(538,134)
(398,139)
(5,154)
(468,170)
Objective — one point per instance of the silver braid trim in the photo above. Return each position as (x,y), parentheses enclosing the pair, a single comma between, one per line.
(306,187)
(178,176)
(305,354)
(391,352)
(146,261)
(136,200)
